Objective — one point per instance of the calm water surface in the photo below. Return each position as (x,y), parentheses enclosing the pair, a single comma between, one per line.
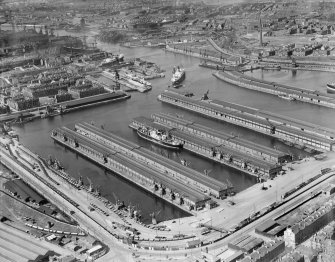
(116,118)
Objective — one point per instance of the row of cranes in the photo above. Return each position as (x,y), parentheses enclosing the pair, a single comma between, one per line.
(133,211)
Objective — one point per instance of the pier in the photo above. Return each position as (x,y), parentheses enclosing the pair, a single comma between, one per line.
(173,182)
(195,53)
(300,133)
(206,146)
(182,173)
(222,138)
(323,64)
(295,93)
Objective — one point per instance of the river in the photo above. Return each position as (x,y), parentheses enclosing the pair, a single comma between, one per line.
(116,118)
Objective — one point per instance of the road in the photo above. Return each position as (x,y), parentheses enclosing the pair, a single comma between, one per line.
(226,216)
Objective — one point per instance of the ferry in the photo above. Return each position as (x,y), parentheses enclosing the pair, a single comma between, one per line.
(159,137)
(287,97)
(331,88)
(178,75)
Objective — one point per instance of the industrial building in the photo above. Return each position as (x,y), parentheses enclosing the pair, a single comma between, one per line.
(282,127)
(246,243)
(21,190)
(233,157)
(140,173)
(180,172)
(302,230)
(304,95)
(221,137)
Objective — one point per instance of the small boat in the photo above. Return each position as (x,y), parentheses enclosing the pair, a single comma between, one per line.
(287,97)
(178,75)
(159,137)
(177,85)
(331,88)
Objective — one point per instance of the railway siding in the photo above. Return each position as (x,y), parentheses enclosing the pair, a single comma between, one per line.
(168,187)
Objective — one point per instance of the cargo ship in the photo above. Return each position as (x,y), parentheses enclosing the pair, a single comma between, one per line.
(138,83)
(178,75)
(331,88)
(131,81)
(159,137)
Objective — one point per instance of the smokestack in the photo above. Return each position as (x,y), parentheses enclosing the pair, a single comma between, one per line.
(260,31)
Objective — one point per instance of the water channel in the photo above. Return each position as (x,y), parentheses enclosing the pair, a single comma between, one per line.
(116,118)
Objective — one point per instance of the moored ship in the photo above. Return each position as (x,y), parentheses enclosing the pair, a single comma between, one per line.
(178,75)
(286,97)
(331,88)
(159,137)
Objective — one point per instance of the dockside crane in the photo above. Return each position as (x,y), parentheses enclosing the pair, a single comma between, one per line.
(119,204)
(154,216)
(183,161)
(273,126)
(90,185)
(205,96)
(179,115)
(207,172)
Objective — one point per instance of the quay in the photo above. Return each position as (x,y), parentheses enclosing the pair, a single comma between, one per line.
(175,188)
(300,63)
(206,146)
(204,55)
(141,175)
(300,133)
(295,93)
(222,138)
(219,66)
(69,106)
(180,172)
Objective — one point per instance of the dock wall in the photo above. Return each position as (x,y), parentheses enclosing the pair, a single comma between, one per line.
(222,155)
(295,135)
(307,96)
(232,141)
(157,183)
(169,167)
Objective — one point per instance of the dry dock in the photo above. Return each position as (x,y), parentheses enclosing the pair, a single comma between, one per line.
(285,128)
(295,93)
(165,178)
(214,150)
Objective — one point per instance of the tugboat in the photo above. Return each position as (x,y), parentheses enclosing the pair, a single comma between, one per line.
(159,137)
(178,75)
(331,88)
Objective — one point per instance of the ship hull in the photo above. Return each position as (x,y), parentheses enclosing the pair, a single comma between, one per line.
(289,98)
(80,50)
(161,143)
(331,88)
(180,79)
